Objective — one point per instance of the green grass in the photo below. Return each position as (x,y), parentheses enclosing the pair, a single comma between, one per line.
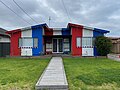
(19,73)
(92,74)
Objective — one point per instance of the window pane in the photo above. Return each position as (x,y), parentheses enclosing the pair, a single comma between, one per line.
(87,42)
(49,45)
(27,42)
(35,42)
(20,42)
(78,42)
(66,40)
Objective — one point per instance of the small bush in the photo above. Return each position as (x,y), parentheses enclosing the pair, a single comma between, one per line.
(103,45)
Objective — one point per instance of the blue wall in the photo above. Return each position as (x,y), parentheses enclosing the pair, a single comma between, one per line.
(96,33)
(37,33)
(65,31)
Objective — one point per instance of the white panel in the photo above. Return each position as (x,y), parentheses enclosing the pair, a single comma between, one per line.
(50,49)
(26,52)
(78,42)
(90,28)
(57,32)
(66,49)
(87,33)
(27,33)
(87,52)
(57,29)
(3,39)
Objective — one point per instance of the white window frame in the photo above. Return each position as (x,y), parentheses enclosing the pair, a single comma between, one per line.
(87,42)
(32,43)
(78,42)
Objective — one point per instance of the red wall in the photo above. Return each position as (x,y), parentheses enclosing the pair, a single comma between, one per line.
(76,32)
(14,48)
(48,32)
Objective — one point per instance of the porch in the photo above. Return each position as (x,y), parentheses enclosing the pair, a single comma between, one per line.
(57,44)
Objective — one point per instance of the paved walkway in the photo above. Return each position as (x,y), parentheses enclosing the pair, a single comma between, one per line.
(53,78)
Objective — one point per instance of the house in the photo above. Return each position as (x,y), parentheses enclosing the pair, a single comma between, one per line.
(4,43)
(116,45)
(77,40)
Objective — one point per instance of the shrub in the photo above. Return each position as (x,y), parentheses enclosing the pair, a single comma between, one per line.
(103,45)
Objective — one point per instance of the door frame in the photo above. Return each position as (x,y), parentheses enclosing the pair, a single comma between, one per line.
(57,45)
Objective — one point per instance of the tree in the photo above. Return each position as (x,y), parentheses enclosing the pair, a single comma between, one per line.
(103,45)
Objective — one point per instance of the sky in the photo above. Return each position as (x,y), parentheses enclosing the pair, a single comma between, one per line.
(103,14)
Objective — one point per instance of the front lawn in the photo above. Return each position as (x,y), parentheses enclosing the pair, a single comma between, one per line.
(92,74)
(19,73)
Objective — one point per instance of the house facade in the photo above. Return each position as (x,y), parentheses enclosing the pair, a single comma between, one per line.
(77,40)
(4,43)
(115,45)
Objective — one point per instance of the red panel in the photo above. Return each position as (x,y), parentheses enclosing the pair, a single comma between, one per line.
(48,32)
(76,32)
(14,48)
(74,25)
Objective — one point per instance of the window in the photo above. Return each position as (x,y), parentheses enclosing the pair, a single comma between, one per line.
(28,42)
(48,46)
(20,42)
(66,44)
(87,42)
(35,42)
(78,41)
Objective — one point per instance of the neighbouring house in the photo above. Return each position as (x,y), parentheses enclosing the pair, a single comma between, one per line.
(77,40)
(116,45)
(4,43)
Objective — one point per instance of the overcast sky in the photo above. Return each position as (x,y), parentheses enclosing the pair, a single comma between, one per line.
(103,14)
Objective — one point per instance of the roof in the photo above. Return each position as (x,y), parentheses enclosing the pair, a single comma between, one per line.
(101,30)
(74,25)
(69,25)
(89,28)
(3,32)
(115,39)
(27,28)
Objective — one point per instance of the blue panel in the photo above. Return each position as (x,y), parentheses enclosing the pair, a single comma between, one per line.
(37,33)
(101,30)
(65,31)
(96,33)
(95,51)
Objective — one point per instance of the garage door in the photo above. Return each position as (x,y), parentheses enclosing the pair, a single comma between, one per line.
(4,49)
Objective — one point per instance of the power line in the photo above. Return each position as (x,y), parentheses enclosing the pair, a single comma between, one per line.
(24,11)
(14,11)
(66,10)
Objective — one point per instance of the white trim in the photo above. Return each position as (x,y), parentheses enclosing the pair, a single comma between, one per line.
(88,28)
(27,28)
(57,29)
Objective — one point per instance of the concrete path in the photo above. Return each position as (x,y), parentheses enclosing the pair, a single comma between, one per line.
(53,78)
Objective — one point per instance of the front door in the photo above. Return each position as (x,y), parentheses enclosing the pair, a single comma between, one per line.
(57,45)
